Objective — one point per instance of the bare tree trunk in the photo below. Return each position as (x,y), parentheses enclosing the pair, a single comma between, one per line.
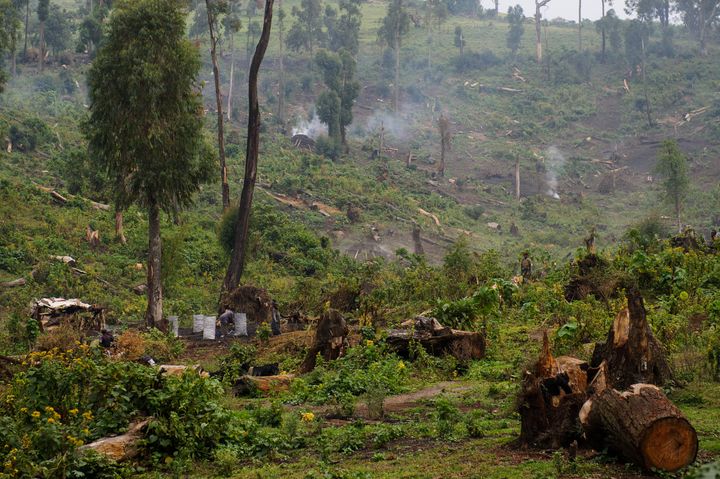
(281,93)
(497,7)
(41,60)
(232,77)
(538,31)
(237,262)
(13,56)
(677,213)
(27,19)
(396,85)
(218,101)
(647,98)
(154,313)
(119,228)
(517,177)
(603,31)
(580,43)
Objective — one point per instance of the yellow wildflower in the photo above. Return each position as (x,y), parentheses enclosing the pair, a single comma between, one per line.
(88,415)
(308,417)
(369,342)
(51,420)
(401,365)
(35,414)
(49,409)
(86,431)
(23,409)
(73,411)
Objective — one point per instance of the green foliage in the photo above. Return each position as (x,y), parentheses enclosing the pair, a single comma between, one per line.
(395,24)
(29,134)
(363,369)
(307,30)
(151,77)
(672,166)
(57,29)
(464,313)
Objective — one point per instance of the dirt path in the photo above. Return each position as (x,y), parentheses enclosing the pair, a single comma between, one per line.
(403,402)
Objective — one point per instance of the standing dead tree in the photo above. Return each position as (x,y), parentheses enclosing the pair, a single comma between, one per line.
(237,262)
(538,29)
(445,137)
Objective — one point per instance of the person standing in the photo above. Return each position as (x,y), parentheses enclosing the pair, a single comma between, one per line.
(526,266)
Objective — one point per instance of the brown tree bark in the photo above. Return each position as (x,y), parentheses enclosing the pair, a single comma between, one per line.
(632,353)
(119,228)
(329,341)
(550,399)
(154,313)
(642,425)
(237,262)
(603,33)
(218,101)
(444,127)
(517,177)
(281,92)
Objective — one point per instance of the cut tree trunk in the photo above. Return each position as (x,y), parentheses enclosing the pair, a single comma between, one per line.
(462,345)
(153,315)
(329,342)
(632,353)
(120,448)
(237,262)
(550,400)
(14,283)
(641,425)
(119,228)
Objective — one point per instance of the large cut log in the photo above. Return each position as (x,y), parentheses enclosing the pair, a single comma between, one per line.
(330,339)
(436,340)
(641,425)
(14,283)
(550,399)
(120,448)
(632,353)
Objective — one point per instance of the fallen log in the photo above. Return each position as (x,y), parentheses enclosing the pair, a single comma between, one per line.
(641,425)
(550,400)
(631,352)
(436,340)
(14,283)
(430,215)
(120,448)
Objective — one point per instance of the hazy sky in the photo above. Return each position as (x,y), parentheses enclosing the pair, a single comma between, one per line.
(560,8)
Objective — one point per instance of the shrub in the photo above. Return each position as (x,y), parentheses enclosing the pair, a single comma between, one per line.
(475,61)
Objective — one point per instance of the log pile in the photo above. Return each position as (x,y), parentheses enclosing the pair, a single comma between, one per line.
(51,312)
(436,339)
(612,403)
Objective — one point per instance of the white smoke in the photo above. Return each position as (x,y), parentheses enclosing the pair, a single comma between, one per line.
(394,125)
(312,128)
(553,167)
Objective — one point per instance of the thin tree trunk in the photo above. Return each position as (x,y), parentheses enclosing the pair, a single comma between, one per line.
(119,228)
(154,313)
(232,77)
(281,93)
(218,100)
(396,86)
(677,213)
(27,18)
(237,262)
(603,31)
(580,43)
(538,36)
(13,56)
(517,177)
(497,7)
(41,60)
(647,98)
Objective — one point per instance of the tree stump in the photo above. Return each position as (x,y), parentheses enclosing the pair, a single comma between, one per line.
(329,339)
(550,400)
(641,425)
(436,339)
(632,353)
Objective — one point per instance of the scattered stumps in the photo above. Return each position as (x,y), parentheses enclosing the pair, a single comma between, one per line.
(550,400)
(632,353)
(641,425)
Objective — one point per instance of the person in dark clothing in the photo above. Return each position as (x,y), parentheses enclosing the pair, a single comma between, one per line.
(526,266)
(275,322)
(106,339)
(226,319)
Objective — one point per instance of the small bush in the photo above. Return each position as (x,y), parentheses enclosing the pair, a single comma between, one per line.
(475,61)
